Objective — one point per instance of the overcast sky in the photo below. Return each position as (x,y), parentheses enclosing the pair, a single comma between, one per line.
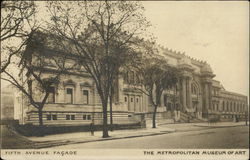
(216,32)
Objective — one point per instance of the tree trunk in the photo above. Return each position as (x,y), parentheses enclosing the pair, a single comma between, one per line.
(154,117)
(105,122)
(40,115)
(111,112)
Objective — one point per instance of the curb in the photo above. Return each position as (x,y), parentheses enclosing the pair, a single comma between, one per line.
(54,144)
(220,126)
(96,140)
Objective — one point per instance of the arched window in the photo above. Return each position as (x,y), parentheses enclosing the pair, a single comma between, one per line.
(194,89)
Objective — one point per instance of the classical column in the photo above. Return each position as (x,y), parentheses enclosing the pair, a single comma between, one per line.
(128,106)
(210,95)
(189,100)
(207,96)
(93,94)
(184,93)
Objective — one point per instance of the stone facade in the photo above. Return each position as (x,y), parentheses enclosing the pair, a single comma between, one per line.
(75,100)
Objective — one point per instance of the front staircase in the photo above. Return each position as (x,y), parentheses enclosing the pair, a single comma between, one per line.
(192,118)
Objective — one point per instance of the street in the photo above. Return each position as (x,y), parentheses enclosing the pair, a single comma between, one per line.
(212,138)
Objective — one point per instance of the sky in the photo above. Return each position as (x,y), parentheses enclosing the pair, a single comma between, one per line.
(216,32)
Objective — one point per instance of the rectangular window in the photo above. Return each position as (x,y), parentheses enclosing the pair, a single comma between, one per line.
(137,100)
(51,117)
(69,95)
(54,117)
(67,117)
(125,99)
(85,97)
(86,117)
(48,117)
(51,97)
(70,117)
(131,99)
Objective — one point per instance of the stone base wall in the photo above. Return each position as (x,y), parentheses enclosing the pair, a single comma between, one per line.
(59,118)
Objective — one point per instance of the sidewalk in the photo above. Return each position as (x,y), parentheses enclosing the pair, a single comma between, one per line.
(221,124)
(84,137)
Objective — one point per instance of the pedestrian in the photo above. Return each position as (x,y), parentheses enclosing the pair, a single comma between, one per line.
(92,128)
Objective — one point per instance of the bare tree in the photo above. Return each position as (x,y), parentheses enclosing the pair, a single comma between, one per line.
(17,21)
(156,75)
(103,35)
(40,69)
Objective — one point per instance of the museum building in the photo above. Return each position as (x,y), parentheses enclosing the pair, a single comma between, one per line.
(197,97)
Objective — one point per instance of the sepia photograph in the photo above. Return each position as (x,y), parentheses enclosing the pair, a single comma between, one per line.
(124,80)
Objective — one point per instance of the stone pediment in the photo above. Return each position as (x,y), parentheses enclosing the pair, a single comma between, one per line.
(69,82)
(85,84)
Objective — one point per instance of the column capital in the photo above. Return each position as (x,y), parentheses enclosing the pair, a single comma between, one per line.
(206,80)
(187,74)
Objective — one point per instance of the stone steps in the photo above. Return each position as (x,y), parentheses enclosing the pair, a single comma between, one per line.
(192,119)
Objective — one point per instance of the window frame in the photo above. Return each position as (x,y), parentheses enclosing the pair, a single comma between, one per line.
(72,95)
(88,92)
(53,95)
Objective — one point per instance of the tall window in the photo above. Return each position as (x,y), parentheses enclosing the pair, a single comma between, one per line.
(69,95)
(223,106)
(126,77)
(51,97)
(131,77)
(85,96)
(193,89)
